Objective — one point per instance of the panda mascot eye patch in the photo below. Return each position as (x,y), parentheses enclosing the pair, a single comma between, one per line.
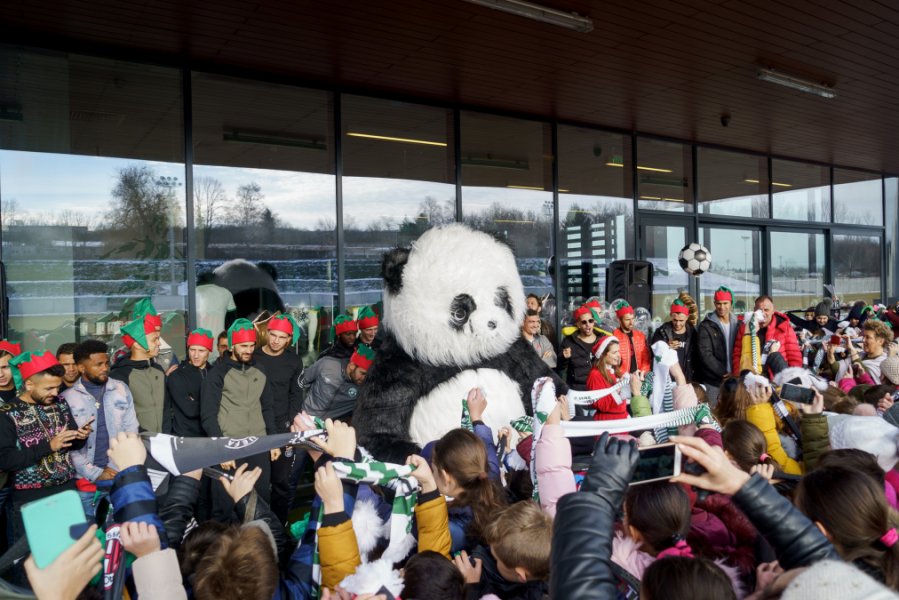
(453,308)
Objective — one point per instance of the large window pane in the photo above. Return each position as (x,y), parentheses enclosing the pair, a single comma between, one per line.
(891,202)
(857,197)
(731,183)
(663,242)
(596,209)
(801,191)
(507,178)
(264,193)
(398,181)
(797,269)
(856,267)
(664,175)
(92,196)
(736,263)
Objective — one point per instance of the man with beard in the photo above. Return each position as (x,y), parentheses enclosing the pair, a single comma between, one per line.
(237,402)
(635,355)
(36,432)
(183,386)
(106,405)
(283,368)
(144,377)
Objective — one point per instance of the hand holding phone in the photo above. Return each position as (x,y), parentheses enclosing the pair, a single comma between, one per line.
(52,524)
(657,463)
(796,393)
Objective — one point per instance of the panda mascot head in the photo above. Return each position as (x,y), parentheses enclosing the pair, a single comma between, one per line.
(453,308)
(454,298)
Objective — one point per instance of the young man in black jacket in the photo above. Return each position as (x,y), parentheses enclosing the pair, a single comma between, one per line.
(715,344)
(143,376)
(283,369)
(237,402)
(183,386)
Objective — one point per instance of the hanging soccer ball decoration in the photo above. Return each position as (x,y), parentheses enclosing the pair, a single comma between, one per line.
(695,259)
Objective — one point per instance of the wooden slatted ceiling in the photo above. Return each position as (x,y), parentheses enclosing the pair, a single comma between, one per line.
(657,66)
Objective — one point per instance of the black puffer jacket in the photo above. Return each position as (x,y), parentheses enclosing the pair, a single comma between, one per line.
(713,351)
(576,368)
(584,525)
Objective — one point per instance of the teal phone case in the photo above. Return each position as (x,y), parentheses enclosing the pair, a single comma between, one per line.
(52,524)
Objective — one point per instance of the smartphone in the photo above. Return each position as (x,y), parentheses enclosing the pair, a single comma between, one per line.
(89,423)
(836,340)
(657,463)
(52,524)
(796,393)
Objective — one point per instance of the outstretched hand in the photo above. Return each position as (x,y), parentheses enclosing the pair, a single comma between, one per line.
(721,475)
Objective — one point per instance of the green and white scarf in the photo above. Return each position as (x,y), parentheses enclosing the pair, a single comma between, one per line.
(466,416)
(543,400)
(676,418)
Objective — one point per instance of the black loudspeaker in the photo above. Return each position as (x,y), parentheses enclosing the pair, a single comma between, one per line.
(631,280)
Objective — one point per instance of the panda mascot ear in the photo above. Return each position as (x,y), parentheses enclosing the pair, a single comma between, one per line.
(392,268)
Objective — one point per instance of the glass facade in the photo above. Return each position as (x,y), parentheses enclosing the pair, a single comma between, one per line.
(110,192)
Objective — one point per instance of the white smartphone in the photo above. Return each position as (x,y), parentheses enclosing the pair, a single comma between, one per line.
(657,463)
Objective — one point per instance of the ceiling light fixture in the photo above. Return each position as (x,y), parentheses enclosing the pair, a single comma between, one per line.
(269,139)
(489,161)
(529,10)
(774,183)
(388,138)
(640,168)
(797,83)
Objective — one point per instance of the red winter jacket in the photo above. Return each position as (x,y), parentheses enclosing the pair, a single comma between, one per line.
(778,330)
(641,351)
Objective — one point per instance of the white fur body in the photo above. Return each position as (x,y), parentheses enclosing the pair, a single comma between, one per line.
(441,410)
(443,263)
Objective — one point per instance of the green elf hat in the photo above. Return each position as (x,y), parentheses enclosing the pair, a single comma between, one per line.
(345,323)
(623,308)
(724,294)
(27,364)
(241,332)
(136,332)
(144,308)
(678,307)
(363,357)
(285,324)
(200,337)
(367,318)
(14,348)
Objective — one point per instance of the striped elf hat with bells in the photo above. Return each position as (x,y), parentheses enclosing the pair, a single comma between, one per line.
(241,332)
(285,324)
(200,337)
(136,332)
(27,364)
(345,323)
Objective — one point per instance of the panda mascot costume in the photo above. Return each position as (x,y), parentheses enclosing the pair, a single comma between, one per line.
(453,308)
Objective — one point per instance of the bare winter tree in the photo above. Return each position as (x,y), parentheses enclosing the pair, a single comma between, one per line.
(247,209)
(209,202)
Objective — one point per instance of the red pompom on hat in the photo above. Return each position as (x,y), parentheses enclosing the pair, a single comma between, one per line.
(602,343)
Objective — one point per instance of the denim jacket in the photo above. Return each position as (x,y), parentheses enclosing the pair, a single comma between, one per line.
(118,408)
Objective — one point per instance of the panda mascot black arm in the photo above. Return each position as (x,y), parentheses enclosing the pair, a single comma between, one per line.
(453,307)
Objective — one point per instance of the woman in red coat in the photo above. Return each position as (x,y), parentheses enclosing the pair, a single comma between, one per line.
(605,374)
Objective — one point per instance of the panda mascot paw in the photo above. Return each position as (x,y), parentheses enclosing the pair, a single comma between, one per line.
(453,307)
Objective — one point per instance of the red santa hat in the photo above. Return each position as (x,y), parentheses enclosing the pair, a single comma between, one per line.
(602,343)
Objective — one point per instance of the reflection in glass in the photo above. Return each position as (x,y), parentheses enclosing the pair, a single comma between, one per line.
(797,269)
(801,191)
(398,181)
(663,244)
(891,202)
(857,197)
(736,263)
(92,197)
(664,175)
(731,183)
(856,267)
(595,210)
(264,193)
(507,178)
